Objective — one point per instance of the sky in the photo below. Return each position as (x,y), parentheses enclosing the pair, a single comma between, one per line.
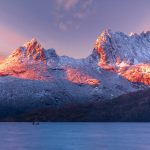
(69,26)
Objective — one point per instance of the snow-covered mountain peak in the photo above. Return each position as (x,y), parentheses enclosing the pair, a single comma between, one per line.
(104,36)
(33,50)
(113,51)
(33,42)
(125,54)
(51,53)
(116,47)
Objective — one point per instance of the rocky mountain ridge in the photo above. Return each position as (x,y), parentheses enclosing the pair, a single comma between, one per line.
(33,78)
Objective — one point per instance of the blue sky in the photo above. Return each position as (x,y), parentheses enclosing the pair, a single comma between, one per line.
(69,26)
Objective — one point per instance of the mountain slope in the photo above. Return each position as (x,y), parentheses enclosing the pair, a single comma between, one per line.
(131,107)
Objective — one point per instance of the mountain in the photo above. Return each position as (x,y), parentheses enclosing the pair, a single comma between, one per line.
(37,83)
(128,56)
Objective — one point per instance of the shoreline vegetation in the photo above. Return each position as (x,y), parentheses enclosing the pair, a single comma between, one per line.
(133,107)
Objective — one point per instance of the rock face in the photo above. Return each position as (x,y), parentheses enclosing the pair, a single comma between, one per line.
(34,78)
(128,56)
(116,48)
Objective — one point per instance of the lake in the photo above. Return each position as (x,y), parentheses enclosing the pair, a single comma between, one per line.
(75,136)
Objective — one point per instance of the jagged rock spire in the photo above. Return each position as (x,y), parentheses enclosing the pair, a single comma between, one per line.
(33,42)
(33,50)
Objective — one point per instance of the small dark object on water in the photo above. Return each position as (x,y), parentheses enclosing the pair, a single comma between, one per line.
(35,123)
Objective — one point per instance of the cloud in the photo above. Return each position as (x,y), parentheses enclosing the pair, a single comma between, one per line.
(79,15)
(84,9)
(67,4)
(70,13)
(86,4)
(62,26)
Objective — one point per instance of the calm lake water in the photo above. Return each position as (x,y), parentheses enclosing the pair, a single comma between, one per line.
(75,136)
